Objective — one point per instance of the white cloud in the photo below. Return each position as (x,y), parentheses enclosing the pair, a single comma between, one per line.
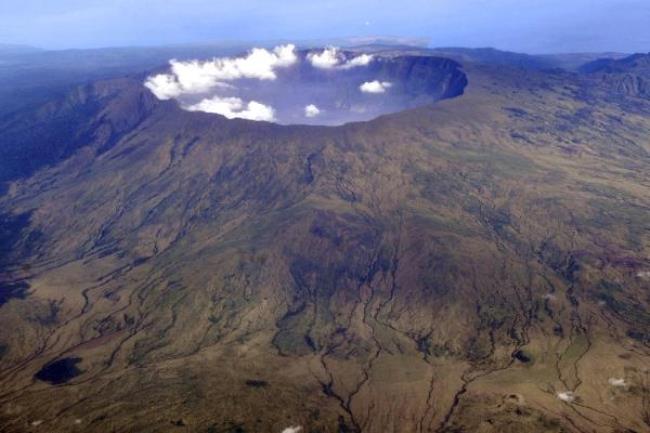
(198,77)
(362,60)
(617,382)
(295,429)
(311,110)
(375,86)
(566,396)
(164,86)
(233,108)
(331,58)
(327,59)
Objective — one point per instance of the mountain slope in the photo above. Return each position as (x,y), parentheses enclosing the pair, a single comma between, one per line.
(96,114)
(452,268)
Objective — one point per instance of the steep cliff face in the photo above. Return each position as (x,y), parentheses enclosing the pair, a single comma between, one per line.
(478,259)
(436,77)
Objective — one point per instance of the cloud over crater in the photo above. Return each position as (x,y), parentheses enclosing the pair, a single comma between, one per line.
(375,86)
(324,86)
(199,77)
(332,58)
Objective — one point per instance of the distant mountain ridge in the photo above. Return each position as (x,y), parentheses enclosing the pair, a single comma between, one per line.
(639,62)
(497,57)
(627,76)
(13,49)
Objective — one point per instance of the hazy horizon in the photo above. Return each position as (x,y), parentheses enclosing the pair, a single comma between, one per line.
(536,27)
(301,44)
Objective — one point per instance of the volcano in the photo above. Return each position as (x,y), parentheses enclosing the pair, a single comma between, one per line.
(476,257)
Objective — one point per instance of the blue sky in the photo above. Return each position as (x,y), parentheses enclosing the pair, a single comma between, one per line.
(520,25)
